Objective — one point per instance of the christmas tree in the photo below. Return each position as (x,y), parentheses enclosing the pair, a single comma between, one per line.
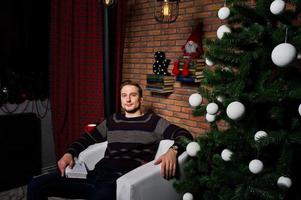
(253,87)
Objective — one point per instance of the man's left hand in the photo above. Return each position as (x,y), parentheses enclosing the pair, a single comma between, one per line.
(168,163)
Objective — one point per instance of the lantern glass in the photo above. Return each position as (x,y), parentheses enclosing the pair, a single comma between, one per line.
(166,11)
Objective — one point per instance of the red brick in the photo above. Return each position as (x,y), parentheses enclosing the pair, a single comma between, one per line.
(144,36)
(173,108)
(181,115)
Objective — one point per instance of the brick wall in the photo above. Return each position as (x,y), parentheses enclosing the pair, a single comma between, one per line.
(145,36)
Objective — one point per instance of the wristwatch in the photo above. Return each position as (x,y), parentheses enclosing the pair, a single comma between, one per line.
(175,148)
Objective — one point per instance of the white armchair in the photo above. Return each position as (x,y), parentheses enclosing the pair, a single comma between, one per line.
(142,183)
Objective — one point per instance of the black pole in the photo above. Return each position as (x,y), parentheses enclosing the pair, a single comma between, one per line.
(106,65)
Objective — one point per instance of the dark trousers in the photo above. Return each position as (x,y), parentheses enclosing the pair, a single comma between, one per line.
(99,185)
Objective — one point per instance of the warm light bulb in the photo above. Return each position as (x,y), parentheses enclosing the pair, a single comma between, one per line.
(108,2)
(166,8)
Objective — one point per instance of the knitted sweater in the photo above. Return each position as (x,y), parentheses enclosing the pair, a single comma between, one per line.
(131,141)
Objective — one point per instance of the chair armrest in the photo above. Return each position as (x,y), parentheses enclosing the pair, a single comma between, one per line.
(146,183)
(92,154)
(163,147)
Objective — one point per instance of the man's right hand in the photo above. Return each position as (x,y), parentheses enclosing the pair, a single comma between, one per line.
(66,160)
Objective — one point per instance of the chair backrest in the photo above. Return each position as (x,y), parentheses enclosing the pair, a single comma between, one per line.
(163,147)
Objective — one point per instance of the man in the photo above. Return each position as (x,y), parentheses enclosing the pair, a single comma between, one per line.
(133,139)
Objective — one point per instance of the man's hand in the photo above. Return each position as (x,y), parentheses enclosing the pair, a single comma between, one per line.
(66,160)
(168,163)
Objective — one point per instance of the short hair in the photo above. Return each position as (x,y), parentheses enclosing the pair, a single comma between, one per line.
(133,83)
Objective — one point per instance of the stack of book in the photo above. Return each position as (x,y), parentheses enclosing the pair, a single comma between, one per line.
(196,67)
(159,83)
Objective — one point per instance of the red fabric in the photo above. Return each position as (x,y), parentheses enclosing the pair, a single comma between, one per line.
(196,37)
(185,71)
(75,68)
(175,70)
(90,127)
(119,46)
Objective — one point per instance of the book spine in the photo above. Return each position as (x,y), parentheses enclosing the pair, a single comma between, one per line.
(160,83)
(188,79)
(159,87)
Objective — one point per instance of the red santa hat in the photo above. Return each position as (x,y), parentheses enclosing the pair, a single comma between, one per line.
(196,37)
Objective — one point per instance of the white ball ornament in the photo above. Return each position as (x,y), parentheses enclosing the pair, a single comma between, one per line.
(260,134)
(277,7)
(208,62)
(212,108)
(235,110)
(283,54)
(255,166)
(223,13)
(210,118)
(193,148)
(284,182)
(226,155)
(222,30)
(299,109)
(195,99)
(187,196)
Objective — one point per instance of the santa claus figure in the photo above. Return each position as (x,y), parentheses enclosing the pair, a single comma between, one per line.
(193,46)
(192,49)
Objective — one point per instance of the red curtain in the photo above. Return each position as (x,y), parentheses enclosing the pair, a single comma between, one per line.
(75,68)
(119,46)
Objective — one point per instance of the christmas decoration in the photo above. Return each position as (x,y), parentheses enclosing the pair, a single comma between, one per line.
(175,69)
(220,99)
(193,46)
(260,134)
(161,81)
(189,67)
(212,108)
(226,155)
(267,99)
(210,118)
(209,62)
(283,54)
(193,148)
(187,196)
(160,66)
(4,90)
(222,30)
(255,166)
(188,70)
(185,71)
(20,83)
(277,7)
(195,99)
(299,109)
(235,110)
(284,182)
(223,13)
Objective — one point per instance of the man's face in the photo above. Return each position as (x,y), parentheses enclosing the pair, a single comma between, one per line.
(130,99)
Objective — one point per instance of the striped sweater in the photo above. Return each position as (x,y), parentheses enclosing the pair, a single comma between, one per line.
(131,141)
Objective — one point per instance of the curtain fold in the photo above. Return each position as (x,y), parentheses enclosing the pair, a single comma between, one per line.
(119,47)
(75,70)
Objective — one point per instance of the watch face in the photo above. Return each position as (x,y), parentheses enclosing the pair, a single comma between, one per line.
(175,147)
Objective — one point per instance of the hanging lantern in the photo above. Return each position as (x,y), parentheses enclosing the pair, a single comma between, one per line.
(109,3)
(166,11)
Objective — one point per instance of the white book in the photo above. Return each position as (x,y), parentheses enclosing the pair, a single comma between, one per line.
(79,170)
